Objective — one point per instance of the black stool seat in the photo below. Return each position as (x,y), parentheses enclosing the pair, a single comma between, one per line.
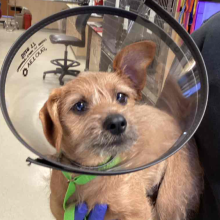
(66,40)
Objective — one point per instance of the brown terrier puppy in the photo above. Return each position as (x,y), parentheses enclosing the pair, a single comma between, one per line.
(96,116)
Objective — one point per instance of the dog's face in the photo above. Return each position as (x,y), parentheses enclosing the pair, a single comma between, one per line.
(93,115)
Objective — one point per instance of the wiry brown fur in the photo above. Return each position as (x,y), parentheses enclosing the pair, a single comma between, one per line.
(150,132)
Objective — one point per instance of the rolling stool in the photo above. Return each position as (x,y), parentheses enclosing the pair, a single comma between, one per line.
(65,64)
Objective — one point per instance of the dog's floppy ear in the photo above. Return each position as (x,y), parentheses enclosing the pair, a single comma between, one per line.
(133,61)
(49,117)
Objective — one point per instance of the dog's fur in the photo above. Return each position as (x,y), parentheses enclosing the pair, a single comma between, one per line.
(150,132)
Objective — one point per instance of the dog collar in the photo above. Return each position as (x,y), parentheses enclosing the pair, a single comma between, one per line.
(69,213)
(103,166)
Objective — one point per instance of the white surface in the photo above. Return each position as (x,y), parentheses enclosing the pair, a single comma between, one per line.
(24,191)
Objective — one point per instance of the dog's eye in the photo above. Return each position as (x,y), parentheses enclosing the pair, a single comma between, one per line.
(122,98)
(79,107)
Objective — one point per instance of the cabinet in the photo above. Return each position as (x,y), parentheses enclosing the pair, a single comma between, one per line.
(41,9)
(4,8)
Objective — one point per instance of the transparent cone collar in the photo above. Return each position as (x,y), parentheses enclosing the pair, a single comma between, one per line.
(93,40)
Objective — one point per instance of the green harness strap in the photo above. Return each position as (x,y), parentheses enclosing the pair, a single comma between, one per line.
(80,180)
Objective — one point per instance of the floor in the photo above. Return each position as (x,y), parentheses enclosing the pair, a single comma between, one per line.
(24,190)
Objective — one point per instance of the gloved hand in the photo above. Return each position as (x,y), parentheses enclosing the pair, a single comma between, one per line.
(98,213)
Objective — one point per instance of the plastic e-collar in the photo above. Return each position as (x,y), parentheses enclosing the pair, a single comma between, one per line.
(44,160)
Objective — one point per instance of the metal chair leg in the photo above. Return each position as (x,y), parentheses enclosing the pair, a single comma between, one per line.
(49,72)
(61,79)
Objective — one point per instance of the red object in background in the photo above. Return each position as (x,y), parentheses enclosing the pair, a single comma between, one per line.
(98,2)
(27,21)
(98,29)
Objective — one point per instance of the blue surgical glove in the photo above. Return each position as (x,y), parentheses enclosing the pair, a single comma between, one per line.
(98,213)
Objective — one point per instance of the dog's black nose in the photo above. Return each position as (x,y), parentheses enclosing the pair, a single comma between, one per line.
(116,124)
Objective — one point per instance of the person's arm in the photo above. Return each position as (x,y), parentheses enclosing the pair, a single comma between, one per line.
(207,137)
